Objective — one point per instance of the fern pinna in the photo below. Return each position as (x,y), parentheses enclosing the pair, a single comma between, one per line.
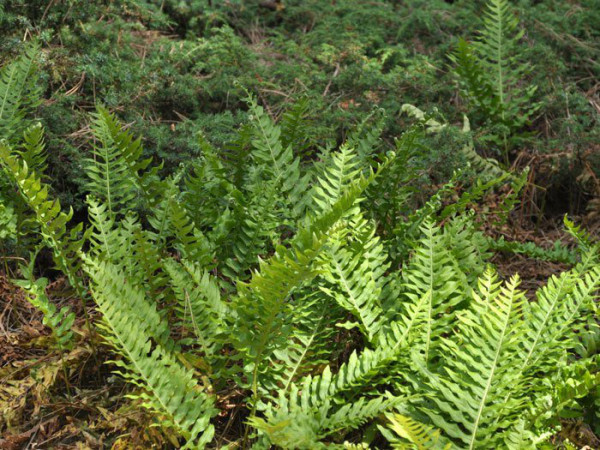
(274,279)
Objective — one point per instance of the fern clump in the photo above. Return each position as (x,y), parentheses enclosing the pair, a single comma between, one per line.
(271,279)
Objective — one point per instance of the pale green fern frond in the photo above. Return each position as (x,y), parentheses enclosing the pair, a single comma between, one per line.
(418,435)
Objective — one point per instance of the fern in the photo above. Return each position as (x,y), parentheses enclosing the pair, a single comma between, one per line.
(356,273)
(467,403)
(200,309)
(307,415)
(490,72)
(130,323)
(260,327)
(59,321)
(66,245)
(19,93)
(431,270)
(107,170)
(422,436)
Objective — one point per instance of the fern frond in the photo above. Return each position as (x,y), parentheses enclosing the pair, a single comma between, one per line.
(420,435)
(554,319)
(432,270)
(260,327)
(470,397)
(108,173)
(200,307)
(59,321)
(306,414)
(558,252)
(276,161)
(309,344)
(131,324)
(356,274)
(19,93)
(32,149)
(339,169)
(66,244)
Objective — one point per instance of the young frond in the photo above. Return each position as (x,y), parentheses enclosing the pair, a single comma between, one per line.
(107,169)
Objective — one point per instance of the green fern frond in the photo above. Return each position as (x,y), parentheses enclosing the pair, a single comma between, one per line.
(276,161)
(200,307)
(432,270)
(554,319)
(309,344)
(471,401)
(66,244)
(491,73)
(355,271)
(107,171)
(307,414)
(558,252)
(32,149)
(261,304)
(59,321)
(419,435)
(127,152)
(19,93)
(339,169)
(131,324)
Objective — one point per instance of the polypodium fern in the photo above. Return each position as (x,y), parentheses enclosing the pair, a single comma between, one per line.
(491,73)
(59,321)
(477,380)
(169,389)
(260,326)
(19,93)
(66,245)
